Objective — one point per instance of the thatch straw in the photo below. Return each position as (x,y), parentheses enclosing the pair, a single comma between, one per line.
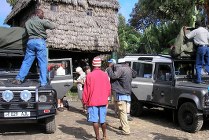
(75,30)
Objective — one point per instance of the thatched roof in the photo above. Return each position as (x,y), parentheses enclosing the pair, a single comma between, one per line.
(21,4)
(77,31)
(99,3)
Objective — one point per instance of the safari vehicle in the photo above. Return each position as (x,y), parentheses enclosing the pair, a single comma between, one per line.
(28,102)
(169,83)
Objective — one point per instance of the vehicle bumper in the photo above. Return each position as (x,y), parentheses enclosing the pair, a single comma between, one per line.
(34,117)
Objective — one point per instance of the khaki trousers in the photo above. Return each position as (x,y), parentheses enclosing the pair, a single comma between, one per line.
(122,108)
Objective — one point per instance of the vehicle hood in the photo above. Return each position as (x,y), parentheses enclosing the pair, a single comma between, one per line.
(192,84)
(26,83)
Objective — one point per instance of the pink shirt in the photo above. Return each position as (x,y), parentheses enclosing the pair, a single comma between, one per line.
(97,88)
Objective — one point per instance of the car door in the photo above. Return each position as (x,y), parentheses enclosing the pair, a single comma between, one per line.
(142,85)
(60,75)
(162,92)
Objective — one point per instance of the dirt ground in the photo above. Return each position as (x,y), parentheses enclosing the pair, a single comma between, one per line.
(71,125)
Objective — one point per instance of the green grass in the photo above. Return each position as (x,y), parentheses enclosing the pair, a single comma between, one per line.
(72,92)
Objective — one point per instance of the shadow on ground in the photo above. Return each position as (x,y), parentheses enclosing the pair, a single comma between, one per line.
(76,110)
(77,132)
(164,118)
(158,136)
(160,117)
(21,129)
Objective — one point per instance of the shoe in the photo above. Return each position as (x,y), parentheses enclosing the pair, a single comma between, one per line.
(45,87)
(124,133)
(17,82)
(61,109)
(130,118)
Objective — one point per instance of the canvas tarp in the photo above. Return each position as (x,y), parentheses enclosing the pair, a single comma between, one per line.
(183,48)
(12,40)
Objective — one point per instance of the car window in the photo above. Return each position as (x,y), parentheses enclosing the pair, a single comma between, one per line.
(184,68)
(59,68)
(164,72)
(144,70)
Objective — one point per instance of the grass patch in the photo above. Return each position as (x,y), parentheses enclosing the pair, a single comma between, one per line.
(72,92)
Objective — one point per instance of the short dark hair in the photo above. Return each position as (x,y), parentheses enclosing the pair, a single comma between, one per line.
(198,23)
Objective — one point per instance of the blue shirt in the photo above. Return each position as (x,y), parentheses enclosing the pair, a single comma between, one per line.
(123,97)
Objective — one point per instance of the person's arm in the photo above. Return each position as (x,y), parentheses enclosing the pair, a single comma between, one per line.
(184,30)
(48,25)
(85,95)
(108,87)
(134,73)
(114,75)
(208,35)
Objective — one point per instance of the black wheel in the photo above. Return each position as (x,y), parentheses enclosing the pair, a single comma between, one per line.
(189,118)
(50,125)
(136,106)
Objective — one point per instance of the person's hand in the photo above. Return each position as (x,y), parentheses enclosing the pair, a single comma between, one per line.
(111,65)
(184,28)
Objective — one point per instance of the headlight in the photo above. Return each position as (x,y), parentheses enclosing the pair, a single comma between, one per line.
(25,95)
(42,98)
(7,95)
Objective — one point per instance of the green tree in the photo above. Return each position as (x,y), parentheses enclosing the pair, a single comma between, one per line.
(160,21)
(157,39)
(155,12)
(129,38)
(12,2)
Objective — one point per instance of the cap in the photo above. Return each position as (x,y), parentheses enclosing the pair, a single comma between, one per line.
(113,61)
(96,62)
(78,69)
(121,60)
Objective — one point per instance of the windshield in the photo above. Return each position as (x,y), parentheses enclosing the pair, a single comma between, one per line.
(186,69)
(13,64)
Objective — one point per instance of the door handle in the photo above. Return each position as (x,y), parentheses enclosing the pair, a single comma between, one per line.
(134,86)
(67,85)
(157,88)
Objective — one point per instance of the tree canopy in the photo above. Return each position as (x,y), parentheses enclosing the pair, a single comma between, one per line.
(129,38)
(12,2)
(156,24)
(155,12)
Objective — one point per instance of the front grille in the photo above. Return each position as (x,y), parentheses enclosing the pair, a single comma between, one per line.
(17,103)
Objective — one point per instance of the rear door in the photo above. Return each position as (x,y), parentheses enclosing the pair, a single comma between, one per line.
(62,80)
(142,85)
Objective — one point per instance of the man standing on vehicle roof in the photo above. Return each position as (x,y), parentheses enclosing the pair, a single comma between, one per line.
(36,47)
(200,36)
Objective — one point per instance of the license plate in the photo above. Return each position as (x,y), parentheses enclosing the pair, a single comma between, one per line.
(16,114)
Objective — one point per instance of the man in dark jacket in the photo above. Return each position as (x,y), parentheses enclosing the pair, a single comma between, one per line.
(122,75)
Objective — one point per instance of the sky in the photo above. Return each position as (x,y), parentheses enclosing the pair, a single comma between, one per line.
(126,7)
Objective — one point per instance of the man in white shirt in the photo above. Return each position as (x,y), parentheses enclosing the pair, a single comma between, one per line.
(200,36)
(61,69)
